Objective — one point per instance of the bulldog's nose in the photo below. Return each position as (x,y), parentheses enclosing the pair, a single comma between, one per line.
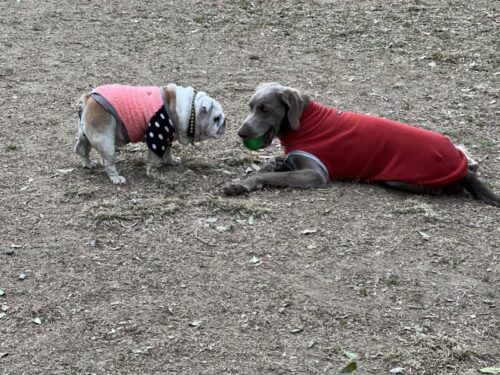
(222,128)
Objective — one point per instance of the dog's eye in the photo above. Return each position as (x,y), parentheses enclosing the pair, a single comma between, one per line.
(264,108)
(216,119)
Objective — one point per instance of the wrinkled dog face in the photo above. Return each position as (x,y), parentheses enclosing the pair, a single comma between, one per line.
(273,108)
(210,118)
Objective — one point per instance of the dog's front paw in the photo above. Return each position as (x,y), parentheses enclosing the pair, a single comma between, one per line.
(235,188)
(89,164)
(173,160)
(117,180)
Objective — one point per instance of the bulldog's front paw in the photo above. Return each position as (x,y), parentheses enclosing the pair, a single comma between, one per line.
(89,164)
(117,180)
(173,160)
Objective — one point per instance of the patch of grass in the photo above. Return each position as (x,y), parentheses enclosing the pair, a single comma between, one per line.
(416,207)
(450,57)
(109,212)
(234,206)
(201,165)
(391,279)
(79,192)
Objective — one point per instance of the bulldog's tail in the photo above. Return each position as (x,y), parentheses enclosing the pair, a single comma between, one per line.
(479,190)
(83,143)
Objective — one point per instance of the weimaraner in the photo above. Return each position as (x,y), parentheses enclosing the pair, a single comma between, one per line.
(323,143)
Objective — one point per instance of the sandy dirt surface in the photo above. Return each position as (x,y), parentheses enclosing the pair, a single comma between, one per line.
(167,275)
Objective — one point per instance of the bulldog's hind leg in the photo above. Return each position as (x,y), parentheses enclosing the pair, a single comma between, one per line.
(83,146)
(153,162)
(82,149)
(101,136)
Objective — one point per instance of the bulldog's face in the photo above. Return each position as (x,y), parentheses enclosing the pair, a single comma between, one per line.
(210,118)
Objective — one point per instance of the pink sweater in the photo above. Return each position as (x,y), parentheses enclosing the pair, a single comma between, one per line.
(134,105)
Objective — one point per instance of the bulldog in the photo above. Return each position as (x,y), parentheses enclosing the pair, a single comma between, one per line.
(114,115)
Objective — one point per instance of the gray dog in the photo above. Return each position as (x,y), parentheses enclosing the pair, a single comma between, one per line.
(113,115)
(323,143)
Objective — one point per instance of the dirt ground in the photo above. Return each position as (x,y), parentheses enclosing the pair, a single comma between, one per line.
(168,276)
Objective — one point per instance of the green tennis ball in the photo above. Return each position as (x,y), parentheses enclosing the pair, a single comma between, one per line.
(254,143)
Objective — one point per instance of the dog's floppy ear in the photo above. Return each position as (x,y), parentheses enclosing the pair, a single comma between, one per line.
(294,103)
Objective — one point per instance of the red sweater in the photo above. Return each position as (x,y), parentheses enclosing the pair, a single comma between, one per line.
(361,147)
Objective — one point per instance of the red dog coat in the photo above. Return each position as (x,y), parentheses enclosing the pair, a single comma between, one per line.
(361,147)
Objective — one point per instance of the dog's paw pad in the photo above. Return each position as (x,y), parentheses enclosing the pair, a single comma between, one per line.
(118,180)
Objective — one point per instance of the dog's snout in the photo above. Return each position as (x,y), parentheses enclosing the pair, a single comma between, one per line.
(222,128)
(242,131)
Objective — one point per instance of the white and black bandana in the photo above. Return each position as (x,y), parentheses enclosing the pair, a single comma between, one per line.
(160,132)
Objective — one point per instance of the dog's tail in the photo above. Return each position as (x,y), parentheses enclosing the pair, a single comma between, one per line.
(81,105)
(479,190)
(82,143)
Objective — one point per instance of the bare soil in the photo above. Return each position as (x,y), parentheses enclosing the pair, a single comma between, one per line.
(168,276)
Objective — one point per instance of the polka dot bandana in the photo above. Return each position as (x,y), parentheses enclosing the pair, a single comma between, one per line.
(160,132)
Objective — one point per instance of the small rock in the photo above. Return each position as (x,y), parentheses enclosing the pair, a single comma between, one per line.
(22,276)
(37,320)
(9,251)
(2,292)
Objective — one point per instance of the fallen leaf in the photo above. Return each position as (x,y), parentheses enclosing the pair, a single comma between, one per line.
(251,220)
(396,370)
(22,276)
(310,344)
(350,367)
(211,220)
(93,243)
(255,166)
(37,321)
(490,370)
(3,354)
(66,170)
(2,292)
(195,323)
(225,228)
(351,355)
(297,330)
(255,260)
(308,231)
(425,236)
(4,307)
(2,315)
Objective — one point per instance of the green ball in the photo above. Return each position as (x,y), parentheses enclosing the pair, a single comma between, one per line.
(254,143)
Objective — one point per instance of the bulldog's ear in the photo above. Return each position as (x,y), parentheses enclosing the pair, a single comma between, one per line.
(295,105)
(206,104)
